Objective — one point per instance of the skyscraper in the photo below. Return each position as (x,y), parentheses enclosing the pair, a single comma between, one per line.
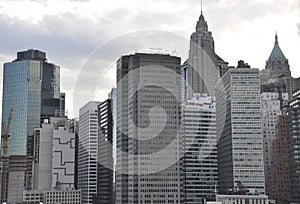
(200,164)
(280,182)
(279,72)
(204,67)
(31,87)
(88,151)
(148,122)
(240,148)
(271,104)
(294,146)
(105,157)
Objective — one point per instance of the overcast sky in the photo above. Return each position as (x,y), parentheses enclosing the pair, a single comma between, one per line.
(89,35)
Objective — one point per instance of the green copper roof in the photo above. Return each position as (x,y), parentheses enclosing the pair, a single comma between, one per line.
(276,53)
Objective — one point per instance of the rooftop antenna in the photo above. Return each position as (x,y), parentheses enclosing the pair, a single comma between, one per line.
(201,7)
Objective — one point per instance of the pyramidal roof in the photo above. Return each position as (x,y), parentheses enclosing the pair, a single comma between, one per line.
(276,53)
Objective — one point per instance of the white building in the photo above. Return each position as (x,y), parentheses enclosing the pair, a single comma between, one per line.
(240,142)
(87,154)
(54,155)
(242,199)
(67,196)
(63,158)
(200,164)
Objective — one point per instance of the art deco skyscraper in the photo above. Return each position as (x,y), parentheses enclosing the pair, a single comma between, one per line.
(278,69)
(240,148)
(148,122)
(204,67)
(31,87)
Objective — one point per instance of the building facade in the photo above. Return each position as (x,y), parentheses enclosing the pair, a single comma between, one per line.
(243,199)
(204,67)
(88,151)
(200,164)
(105,153)
(31,87)
(280,183)
(145,173)
(68,196)
(271,103)
(279,72)
(54,155)
(294,146)
(240,142)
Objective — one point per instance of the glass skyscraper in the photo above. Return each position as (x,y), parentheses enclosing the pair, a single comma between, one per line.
(31,87)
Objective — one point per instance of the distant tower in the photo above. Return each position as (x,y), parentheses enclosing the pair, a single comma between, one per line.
(203,62)
(279,72)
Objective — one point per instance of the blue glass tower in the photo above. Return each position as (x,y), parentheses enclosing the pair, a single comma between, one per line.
(31,86)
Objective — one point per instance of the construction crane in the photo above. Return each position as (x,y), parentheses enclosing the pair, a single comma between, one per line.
(5,158)
(6,134)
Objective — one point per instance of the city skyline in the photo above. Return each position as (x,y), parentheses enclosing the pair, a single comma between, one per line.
(52,26)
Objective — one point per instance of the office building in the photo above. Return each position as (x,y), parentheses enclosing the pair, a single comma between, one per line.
(19,177)
(54,155)
(204,67)
(105,154)
(148,146)
(280,190)
(240,142)
(271,104)
(31,86)
(87,152)
(242,199)
(294,146)
(200,164)
(68,196)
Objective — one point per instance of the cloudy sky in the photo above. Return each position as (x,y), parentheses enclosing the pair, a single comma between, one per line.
(85,37)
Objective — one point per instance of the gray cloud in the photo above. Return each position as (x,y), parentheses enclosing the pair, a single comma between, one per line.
(69,38)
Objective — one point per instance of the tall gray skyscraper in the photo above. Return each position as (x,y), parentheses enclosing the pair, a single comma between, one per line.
(148,122)
(105,154)
(204,67)
(240,148)
(200,164)
(88,151)
(31,87)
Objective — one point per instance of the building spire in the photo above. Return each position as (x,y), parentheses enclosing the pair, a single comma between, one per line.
(276,53)
(201,7)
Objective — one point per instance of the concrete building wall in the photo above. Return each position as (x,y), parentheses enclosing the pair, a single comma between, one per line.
(200,149)
(87,153)
(240,145)
(63,159)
